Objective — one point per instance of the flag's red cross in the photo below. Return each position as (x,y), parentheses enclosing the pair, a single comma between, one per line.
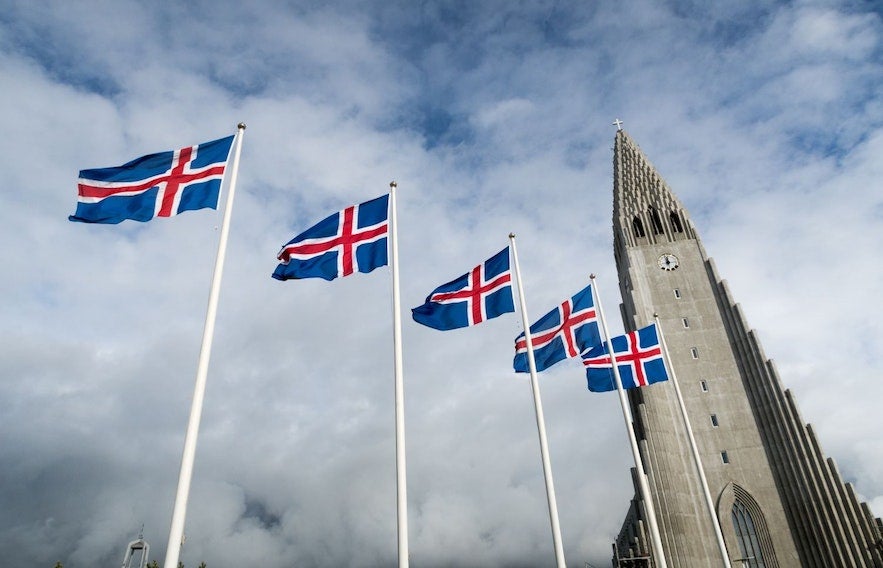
(634,356)
(474,293)
(348,238)
(170,183)
(570,324)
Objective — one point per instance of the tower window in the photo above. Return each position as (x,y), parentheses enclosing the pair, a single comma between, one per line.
(746,536)
(714,420)
(751,532)
(694,353)
(677,294)
(703,385)
(725,458)
(655,221)
(686,323)
(638,227)
(676,222)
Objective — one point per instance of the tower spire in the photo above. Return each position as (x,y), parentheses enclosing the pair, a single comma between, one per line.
(645,209)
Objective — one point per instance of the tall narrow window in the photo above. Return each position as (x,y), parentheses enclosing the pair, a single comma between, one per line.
(693,352)
(703,385)
(677,294)
(655,221)
(725,457)
(638,227)
(746,536)
(751,532)
(676,222)
(686,323)
(714,420)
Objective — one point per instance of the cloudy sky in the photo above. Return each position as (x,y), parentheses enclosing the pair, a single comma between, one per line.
(766,118)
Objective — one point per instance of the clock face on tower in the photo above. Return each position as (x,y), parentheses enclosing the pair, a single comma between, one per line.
(667,261)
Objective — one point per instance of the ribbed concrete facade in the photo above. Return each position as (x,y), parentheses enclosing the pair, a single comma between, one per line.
(779,501)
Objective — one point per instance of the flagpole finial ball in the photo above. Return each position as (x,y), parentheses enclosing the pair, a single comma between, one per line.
(511,235)
(592,275)
(241,126)
(393,184)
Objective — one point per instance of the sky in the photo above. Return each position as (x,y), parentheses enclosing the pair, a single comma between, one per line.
(765,118)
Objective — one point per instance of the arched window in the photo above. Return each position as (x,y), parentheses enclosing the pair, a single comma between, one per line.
(676,222)
(638,227)
(746,536)
(749,542)
(655,221)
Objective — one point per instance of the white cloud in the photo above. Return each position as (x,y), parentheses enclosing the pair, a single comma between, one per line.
(764,118)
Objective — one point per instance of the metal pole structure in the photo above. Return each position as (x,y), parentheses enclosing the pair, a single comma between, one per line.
(696,459)
(538,407)
(401,477)
(655,538)
(176,532)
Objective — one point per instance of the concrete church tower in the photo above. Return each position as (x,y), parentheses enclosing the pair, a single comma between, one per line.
(779,501)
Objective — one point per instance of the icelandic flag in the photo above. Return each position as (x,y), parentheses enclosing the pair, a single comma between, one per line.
(566,331)
(483,293)
(638,357)
(157,185)
(339,245)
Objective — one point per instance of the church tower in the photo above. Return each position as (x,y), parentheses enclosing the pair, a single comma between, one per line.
(779,501)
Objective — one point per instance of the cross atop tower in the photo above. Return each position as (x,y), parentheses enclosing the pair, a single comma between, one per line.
(618,124)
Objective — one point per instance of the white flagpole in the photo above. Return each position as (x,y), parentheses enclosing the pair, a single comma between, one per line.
(176,533)
(655,538)
(401,477)
(538,407)
(696,459)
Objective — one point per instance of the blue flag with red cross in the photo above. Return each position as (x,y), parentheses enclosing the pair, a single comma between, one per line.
(638,358)
(156,185)
(349,241)
(565,332)
(483,293)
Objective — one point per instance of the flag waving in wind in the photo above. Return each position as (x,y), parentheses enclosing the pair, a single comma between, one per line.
(566,331)
(351,240)
(483,293)
(157,185)
(638,358)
